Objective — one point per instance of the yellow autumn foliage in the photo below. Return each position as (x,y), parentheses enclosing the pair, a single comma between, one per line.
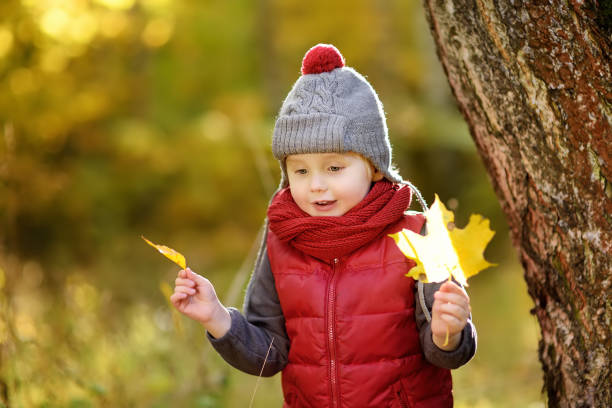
(169,253)
(446,251)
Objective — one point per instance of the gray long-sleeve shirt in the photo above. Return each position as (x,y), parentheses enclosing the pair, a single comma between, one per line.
(248,341)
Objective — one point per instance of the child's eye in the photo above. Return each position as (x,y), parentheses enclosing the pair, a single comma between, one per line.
(300,171)
(335,168)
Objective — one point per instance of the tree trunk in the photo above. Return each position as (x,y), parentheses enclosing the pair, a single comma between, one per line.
(533,81)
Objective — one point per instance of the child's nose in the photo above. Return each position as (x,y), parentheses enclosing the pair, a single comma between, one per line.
(317,183)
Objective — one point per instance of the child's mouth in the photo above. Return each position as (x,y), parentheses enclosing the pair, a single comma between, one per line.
(324,204)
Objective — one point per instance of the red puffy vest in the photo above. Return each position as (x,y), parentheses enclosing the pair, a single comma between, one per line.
(351,323)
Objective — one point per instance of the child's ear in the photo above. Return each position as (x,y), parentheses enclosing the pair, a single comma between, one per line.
(377,175)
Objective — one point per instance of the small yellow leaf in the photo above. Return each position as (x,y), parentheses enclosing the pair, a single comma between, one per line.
(445,252)
(169,253)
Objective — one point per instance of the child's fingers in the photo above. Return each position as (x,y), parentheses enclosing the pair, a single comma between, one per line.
(176,297)
(184,282)
(450,316)
(198,279)
(185,289)
(452,287)
(454,324)
(450,309)
(454,298)
(188,275)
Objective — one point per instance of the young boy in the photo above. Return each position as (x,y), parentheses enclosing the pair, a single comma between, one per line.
(328,297)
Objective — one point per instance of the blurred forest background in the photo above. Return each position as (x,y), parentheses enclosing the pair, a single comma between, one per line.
(127,117)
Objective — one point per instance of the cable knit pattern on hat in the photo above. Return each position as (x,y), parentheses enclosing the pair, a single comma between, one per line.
(315,95)
(336,111)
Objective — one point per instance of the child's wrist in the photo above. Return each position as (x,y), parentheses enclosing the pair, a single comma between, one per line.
(219,323)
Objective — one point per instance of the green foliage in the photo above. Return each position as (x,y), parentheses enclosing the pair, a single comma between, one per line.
(121,118)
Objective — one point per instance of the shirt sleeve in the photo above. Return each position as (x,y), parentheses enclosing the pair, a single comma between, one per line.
(260,331)
(446,359)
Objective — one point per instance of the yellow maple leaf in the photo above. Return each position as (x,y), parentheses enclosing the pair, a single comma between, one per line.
(446,250)
(169,253)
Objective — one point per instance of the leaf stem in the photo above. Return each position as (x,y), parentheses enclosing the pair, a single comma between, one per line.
(446,338)
(447,331)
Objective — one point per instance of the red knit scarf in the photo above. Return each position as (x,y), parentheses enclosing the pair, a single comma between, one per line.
(331,237)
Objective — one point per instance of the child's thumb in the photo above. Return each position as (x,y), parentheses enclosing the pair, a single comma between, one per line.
(198,279)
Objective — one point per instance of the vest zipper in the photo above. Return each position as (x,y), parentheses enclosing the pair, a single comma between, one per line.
(403,402)
(331,320)
(401,396)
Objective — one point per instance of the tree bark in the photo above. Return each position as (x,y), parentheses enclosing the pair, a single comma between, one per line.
(533,81)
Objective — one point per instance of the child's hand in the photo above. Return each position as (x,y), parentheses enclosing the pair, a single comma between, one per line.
(195,297)
(451,310)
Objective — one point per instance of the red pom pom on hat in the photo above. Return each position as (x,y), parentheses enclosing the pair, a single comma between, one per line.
(322,58)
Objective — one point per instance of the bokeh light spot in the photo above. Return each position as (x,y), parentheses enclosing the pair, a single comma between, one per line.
(24,326)
(6,41)
(215,125)
(157,33)
(113,24)
(55,22)
(84,28)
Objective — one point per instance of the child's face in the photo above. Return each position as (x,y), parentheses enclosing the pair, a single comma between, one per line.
(329,184)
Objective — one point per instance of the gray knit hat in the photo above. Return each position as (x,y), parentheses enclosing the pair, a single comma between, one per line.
(332,108)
